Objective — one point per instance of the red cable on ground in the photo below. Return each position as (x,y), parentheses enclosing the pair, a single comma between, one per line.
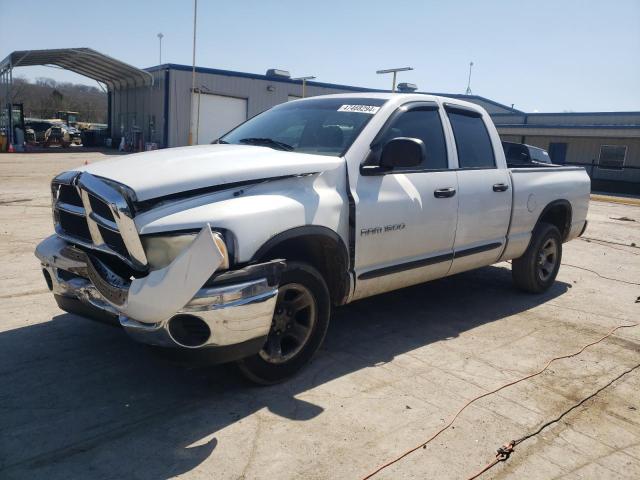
(600,275)
(507,449)
(521,379)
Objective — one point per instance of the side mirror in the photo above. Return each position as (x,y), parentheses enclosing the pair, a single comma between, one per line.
(403,152)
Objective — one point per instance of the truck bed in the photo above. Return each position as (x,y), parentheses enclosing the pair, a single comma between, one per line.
(534,188)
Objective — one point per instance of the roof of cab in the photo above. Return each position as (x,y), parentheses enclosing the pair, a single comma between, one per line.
(415,96)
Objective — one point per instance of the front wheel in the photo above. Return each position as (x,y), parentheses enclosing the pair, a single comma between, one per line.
(299,325)
(537,269)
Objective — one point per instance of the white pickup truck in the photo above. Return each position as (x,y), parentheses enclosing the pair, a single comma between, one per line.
(240,249)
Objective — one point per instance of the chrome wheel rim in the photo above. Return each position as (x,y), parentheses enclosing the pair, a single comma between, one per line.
(547,259)
(294,318)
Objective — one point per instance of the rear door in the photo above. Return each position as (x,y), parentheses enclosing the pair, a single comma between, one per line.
(484,200)
(406,217)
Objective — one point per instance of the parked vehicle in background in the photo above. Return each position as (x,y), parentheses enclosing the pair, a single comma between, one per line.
(75,135)
(39,127)
(64,130)
(29,135)
(240,250)
(93,135)
(523,154)
(60,134)
(57,135)
(70,119)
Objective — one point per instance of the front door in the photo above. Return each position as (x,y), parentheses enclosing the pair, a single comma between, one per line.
(406,218)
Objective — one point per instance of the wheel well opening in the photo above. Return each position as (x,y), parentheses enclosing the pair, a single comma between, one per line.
(325,254)
(560,216)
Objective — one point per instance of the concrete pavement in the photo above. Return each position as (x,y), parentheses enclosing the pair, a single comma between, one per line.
(80,400)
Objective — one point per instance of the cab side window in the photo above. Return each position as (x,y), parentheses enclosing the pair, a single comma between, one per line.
(472,139)
(516,153)
(424,124)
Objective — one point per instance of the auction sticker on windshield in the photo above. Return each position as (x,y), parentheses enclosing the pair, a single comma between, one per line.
(359,108)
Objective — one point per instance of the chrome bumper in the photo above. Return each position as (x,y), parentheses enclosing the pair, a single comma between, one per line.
(238,311)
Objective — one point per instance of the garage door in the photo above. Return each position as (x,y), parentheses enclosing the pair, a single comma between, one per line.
(217,115)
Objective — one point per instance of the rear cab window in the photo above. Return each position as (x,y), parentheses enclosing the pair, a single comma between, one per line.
(539,155)
(516,153)
(472,139)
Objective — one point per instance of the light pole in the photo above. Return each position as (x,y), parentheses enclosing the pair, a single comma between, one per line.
(193,70)
(394,71)
(468,92)
(160,35)
(304,83)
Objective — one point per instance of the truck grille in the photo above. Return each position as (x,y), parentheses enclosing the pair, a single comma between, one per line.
(74,225)
(69,194)
(93,214)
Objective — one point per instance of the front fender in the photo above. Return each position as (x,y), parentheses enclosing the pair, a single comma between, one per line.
(256,216)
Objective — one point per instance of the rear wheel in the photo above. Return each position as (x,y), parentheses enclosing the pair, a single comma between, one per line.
(299,325)
(537,269)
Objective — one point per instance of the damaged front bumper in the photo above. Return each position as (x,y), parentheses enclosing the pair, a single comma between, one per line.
(170,307)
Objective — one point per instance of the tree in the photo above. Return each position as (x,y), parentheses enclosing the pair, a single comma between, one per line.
(44,97)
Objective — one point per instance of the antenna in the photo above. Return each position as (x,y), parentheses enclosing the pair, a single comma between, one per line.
(468,92)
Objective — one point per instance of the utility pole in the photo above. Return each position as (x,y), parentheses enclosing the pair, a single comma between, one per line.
(304,83)
(193,71)
(468,92)
(394,71)
(160,35)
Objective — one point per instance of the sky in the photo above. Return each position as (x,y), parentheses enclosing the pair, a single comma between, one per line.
(543,55)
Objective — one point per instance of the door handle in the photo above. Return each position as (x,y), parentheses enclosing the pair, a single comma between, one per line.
(444,192)
(500,187)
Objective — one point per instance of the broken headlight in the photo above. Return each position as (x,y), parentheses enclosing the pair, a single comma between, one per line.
(162,249)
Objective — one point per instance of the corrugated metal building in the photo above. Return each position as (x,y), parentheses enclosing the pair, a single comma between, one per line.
(163,114)
(607,144)
(233,96)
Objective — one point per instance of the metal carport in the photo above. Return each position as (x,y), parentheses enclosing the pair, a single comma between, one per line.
(116,75)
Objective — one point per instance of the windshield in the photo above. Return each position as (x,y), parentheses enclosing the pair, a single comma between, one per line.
(321,126)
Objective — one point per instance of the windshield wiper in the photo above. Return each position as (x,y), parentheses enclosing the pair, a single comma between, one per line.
(267,142)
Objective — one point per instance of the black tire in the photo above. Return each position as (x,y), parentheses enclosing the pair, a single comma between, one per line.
(536,270)
(272,364)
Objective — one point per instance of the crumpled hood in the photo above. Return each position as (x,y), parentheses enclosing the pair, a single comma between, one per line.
(173,170)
